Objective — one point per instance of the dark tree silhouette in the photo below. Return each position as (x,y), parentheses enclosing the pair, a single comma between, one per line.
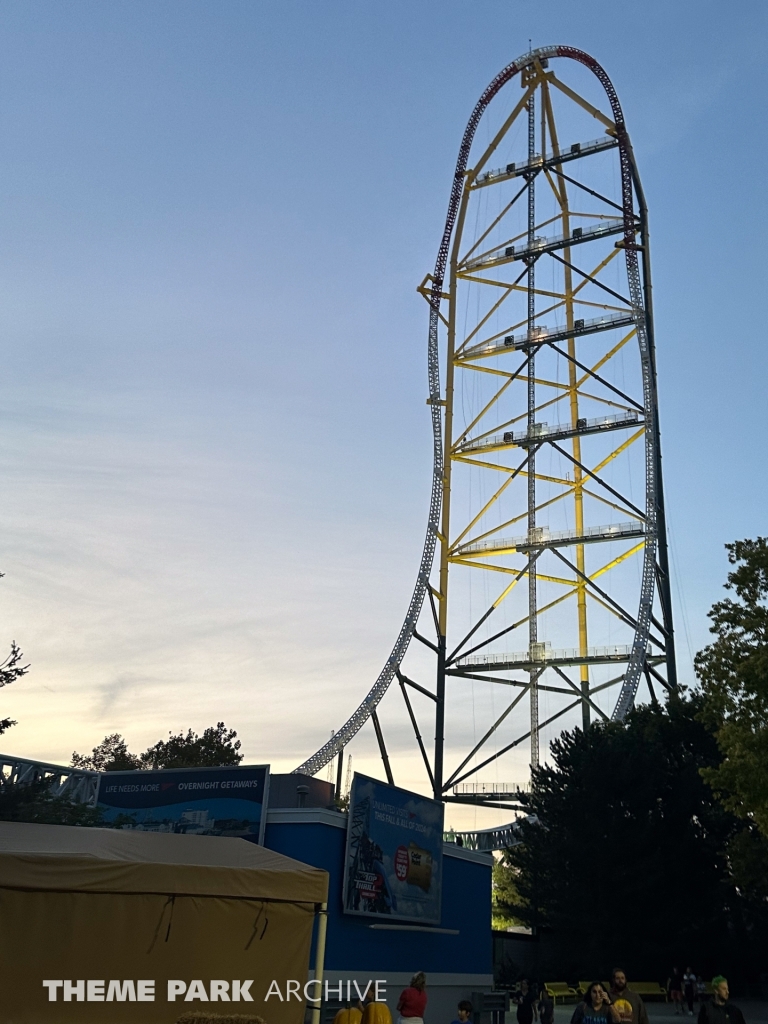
(733,671)
(111,755)
(628,858)
(10,671)
(217,747)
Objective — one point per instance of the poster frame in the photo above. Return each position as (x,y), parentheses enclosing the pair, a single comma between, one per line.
(204,768)
(396,918)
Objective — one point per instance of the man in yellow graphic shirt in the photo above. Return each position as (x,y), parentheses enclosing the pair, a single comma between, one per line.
(628,1004)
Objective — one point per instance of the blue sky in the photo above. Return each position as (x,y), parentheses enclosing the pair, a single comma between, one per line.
(213,436)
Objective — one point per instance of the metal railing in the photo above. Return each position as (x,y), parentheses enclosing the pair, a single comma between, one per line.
(542,537)
(514,342)
(541,431)
(573,152)
(510,253)
(543,654)
(491,788)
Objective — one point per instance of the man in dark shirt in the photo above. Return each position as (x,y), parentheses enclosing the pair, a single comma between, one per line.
(718,1010)
(629,1006)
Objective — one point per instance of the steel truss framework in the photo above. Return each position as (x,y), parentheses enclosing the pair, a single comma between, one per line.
(503,837)
(550,319)
(73,783)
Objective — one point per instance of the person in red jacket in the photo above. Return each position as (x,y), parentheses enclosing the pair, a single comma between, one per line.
(413,1000)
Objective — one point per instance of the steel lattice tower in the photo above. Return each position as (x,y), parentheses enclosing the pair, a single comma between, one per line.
(545,316)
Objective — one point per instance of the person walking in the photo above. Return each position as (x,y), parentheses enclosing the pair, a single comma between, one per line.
(526,1004)
(629,1006)
(675,989)
(596,1007)
(413,1000)
(689,989)
(719,1009)
(546,1007)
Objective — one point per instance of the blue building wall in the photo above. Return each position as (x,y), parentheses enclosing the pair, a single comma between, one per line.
(352,945)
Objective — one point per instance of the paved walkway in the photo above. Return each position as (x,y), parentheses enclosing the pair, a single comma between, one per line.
(663,1013)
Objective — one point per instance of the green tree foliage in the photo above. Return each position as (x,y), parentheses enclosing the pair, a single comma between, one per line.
(10,671)
(504,896)
(626,861)
(733,671)
(34,803)
(217,747)
(111,755)
(748,861)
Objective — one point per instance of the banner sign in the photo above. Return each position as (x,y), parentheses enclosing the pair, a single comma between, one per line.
(197,801)
(394,858)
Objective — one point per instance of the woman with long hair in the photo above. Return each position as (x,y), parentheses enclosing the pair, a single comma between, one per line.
(413,1000)
(596,1007)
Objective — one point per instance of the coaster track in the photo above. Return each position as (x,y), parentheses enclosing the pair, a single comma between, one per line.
(655,575)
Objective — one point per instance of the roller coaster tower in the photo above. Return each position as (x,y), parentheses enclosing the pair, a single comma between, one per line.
(547,461)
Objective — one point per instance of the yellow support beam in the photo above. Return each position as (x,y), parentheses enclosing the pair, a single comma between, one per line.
(480,409)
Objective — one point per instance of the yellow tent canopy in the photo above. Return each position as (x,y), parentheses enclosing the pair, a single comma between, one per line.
(101,910)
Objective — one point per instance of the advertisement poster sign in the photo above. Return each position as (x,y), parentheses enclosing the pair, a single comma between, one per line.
(194,801)
(394,857)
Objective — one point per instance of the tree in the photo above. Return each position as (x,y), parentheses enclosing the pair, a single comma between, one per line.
(504,896)
(627,859)
(10,671)
(217,747)
(34,803)
(748,862)
(111,755)
(733,671)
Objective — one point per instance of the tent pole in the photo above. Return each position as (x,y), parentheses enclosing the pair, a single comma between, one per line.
(322,928)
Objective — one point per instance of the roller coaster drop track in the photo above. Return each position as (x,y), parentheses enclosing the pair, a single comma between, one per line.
(649,631)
